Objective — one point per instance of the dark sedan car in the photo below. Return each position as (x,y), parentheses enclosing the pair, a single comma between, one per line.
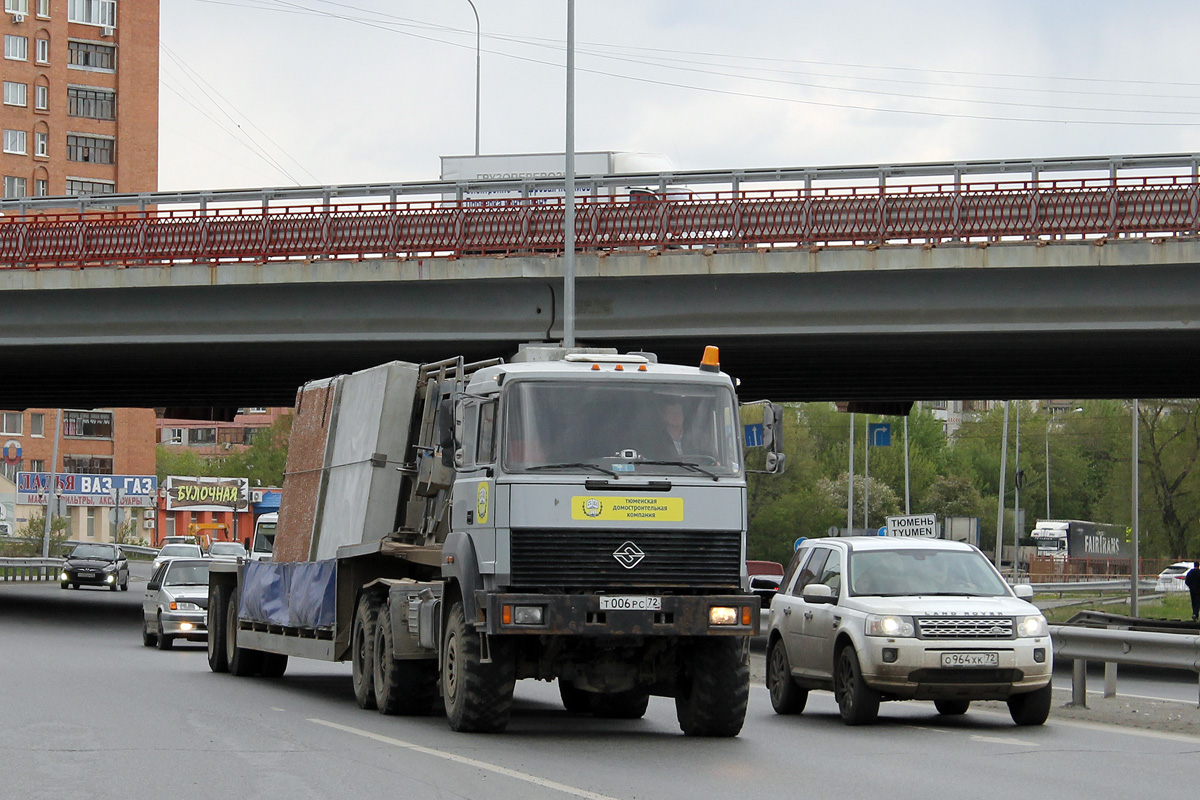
(96,565)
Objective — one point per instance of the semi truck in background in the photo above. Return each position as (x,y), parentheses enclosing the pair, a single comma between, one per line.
(1063,539)
(575,515)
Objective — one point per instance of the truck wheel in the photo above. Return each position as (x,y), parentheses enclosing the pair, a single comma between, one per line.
(713,689)
(242,661)
(577,701)
(218,659)
(1030,708)
(402,686)
(621,705)
(274,665)
(362,650)
(951,708)
(786,696)
(478,696)
(858,703)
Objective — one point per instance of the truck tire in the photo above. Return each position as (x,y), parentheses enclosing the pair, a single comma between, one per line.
(857,702)
(577,701)
(713,688)
(274,665)
(218,602)
(242,661)
(1030,708)
(478,696)
(621,705)
(786,696)
(362,650)
(402,686)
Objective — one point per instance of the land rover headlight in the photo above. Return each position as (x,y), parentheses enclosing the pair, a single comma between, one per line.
(1032,626)
(889,626)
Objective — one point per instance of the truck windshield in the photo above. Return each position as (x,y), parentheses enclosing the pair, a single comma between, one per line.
(624,428)
(905,573)
(264,537)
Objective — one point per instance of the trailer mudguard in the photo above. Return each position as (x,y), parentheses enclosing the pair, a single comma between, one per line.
(460,564)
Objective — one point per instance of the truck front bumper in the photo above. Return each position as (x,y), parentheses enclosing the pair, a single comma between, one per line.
(581,615)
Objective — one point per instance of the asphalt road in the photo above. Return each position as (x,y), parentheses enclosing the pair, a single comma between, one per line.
(85,710)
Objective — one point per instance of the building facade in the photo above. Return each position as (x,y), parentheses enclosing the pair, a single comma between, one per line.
(80,110)
(94,442)
(216,440)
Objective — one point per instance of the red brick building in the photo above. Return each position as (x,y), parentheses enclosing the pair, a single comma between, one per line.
(80,106)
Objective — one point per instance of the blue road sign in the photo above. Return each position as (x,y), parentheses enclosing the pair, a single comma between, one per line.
(879,434)
(799,541)
(753,434)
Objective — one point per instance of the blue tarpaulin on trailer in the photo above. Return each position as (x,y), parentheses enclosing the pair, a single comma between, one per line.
(292,595)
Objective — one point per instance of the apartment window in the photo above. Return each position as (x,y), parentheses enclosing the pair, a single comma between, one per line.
(10,423)
(87,423)
(79,186)
(41,144)
(37,465)
(14,93)
(91,103)
(203,436)
(89,149)
(13,186)
(41,187)
(43,51)
(43,8)
(16,6)
(16,48)
(15,141)
(91,523)
(250,434)
(86,55)
(37,424)
(93,12)
(172,436)
(88,465)
(41,98)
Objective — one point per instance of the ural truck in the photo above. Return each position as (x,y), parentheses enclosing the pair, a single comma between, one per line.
(450,528)
(1079,539)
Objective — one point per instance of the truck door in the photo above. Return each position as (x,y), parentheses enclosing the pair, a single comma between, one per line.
(474,489)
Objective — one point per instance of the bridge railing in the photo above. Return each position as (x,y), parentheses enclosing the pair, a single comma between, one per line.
(153,230)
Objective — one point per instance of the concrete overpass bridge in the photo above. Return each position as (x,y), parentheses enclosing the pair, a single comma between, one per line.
(1047,278)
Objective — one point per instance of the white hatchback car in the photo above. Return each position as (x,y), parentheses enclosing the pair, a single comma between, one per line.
(884,618)
(1171,578)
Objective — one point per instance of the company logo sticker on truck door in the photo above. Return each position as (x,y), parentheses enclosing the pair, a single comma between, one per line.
(640,509)
(481,504)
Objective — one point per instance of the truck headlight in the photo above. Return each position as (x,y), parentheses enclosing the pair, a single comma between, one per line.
(1032,626)
(527,615)
(889,626)
(722,615)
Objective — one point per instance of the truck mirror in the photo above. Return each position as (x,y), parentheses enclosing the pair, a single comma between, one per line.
(447,422)
(773,437)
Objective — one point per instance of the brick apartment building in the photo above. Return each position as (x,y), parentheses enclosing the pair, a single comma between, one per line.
(80,110)
(119,441)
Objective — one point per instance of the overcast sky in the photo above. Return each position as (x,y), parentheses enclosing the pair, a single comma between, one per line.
(286,92)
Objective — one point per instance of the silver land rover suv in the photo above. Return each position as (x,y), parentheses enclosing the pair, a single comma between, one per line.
(888,618)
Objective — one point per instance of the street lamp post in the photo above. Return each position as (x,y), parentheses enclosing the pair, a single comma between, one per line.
(478,36)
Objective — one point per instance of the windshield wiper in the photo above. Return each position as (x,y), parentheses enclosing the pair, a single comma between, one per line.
(684,464)
(582,464)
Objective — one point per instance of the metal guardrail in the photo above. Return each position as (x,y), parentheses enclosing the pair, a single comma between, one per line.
(30,569)
(1114,646)
(1093,586)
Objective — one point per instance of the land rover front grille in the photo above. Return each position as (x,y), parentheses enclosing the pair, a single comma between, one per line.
(965,627)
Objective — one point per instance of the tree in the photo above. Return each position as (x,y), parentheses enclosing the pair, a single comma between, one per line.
(262,462)
(29,536)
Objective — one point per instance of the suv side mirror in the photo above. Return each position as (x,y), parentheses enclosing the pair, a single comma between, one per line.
(818,593)
(1023,590)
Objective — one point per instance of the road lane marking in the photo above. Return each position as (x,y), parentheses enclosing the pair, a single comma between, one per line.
(1066,690)
(1003,740)
(470,762)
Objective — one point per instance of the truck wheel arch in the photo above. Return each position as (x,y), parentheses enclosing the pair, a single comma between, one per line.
(460,569)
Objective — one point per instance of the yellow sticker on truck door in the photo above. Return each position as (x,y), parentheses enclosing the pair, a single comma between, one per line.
(639,509)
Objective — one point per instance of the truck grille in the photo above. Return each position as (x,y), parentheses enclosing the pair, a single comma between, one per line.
(965,627)
(599,559)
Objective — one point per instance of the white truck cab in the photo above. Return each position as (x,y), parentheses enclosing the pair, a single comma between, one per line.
(263,545)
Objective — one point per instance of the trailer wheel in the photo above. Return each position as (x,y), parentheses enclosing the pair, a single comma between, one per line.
(575,700)
(621,705)
(218,659)
(362,650)
(274,665)
(402,686)
(478,696)
(714,688)
(241,661)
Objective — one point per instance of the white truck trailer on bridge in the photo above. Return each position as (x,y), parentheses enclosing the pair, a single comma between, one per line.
(451,528)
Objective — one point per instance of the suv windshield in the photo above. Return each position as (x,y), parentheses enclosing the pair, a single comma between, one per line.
(98,551)
(621,427)
(902,573)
